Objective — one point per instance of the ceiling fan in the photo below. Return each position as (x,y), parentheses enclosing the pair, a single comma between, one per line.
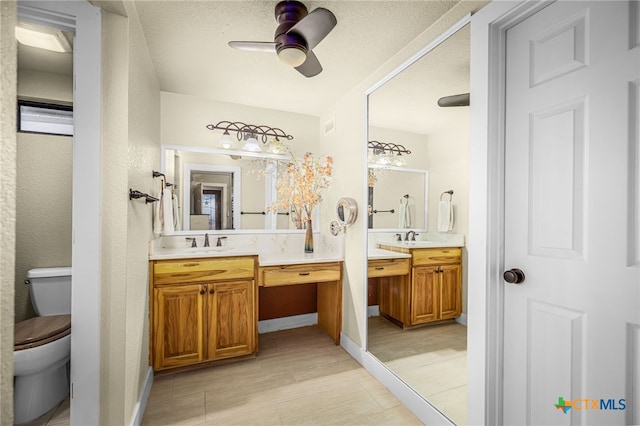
(455,100)
(298,32)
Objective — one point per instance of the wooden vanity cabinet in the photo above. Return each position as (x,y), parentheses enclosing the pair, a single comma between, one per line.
(202,310)
(393,287)
(436,285)
(429,291)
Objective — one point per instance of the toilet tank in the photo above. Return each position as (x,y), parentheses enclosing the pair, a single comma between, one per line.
(50,290)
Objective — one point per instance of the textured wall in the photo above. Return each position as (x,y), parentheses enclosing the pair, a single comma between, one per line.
(131,135)
(43,209)
(7,203)
(44,182)
(143,158)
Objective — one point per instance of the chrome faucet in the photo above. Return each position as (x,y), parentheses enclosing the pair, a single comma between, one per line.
(219,242)
(206,240)
(399,237)
(413,235)
(193,241)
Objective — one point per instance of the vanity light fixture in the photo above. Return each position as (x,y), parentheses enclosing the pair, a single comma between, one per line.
(387,154)
(248,134)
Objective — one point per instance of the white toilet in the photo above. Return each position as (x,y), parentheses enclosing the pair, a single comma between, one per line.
(43,345)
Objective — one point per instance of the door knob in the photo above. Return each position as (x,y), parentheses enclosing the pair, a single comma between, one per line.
(513,276)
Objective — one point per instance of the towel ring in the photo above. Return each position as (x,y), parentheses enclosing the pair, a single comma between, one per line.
(450,192)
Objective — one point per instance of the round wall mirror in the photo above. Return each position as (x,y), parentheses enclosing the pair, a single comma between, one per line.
(347,210)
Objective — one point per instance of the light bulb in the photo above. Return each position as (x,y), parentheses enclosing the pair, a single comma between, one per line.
(225,141)
(251,144)
(398,161)
(292,56)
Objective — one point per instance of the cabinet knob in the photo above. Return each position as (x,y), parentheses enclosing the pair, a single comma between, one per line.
(379,268)
(303,274)
(202,291)
(211,291)
(514,276)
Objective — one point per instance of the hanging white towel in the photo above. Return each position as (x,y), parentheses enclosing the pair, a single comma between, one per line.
(404,215)
(167,210)
(445,216)
(157,215)
(163,213)
(176,212)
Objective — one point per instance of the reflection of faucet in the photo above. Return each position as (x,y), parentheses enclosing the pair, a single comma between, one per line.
(206,240)
(413,235)
(219,242)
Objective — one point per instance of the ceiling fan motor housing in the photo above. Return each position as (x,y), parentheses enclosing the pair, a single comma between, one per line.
(289,13)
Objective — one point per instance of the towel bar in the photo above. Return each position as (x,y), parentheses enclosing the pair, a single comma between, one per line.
(450,192)
(137,194)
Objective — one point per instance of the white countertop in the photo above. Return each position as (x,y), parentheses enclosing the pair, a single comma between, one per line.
(378,253)
(264,259)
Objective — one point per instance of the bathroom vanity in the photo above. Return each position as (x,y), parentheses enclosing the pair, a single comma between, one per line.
(204,303)
(424,286)
(202,309)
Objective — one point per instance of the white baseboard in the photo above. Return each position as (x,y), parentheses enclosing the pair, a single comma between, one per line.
(462,319)
(141,405)
(295,321)
(424,411)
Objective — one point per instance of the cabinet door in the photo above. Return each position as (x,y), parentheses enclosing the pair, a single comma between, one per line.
(424,291)
(450,291)
(178,324)
(231,319)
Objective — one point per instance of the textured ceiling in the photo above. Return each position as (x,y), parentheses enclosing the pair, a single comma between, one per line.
(188,44)
(187,41)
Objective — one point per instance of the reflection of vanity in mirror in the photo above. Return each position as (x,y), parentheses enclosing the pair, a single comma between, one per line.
(220,191)
(416,289)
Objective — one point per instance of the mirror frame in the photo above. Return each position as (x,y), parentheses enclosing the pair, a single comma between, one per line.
(429,413)
(217,151)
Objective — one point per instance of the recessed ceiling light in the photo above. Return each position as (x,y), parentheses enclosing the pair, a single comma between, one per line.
(42,37)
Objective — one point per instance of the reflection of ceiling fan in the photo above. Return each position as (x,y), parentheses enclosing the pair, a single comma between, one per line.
(297,34)
(454,100)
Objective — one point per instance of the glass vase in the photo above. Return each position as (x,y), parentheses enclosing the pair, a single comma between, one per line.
(308,237)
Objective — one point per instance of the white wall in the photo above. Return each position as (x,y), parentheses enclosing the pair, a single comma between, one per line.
(43,196)
(131,135)
(184,119)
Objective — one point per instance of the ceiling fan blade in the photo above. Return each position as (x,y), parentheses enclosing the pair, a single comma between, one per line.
(455,100)
(311,66)
(315,26)
(254,46)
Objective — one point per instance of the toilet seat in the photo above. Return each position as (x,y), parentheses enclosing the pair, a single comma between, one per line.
(39,331)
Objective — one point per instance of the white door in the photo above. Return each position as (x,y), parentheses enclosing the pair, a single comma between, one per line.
(572,196)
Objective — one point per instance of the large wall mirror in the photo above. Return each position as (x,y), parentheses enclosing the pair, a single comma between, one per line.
(403,109)
(223,192)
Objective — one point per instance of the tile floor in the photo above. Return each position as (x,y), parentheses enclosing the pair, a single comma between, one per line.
(299,377)
(431,359)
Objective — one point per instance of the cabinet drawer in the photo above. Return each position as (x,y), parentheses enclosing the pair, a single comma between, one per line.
(387,267)
(223,268)
(436,256)
(270,276)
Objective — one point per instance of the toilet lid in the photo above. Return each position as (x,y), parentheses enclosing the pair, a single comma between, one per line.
(38,331)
